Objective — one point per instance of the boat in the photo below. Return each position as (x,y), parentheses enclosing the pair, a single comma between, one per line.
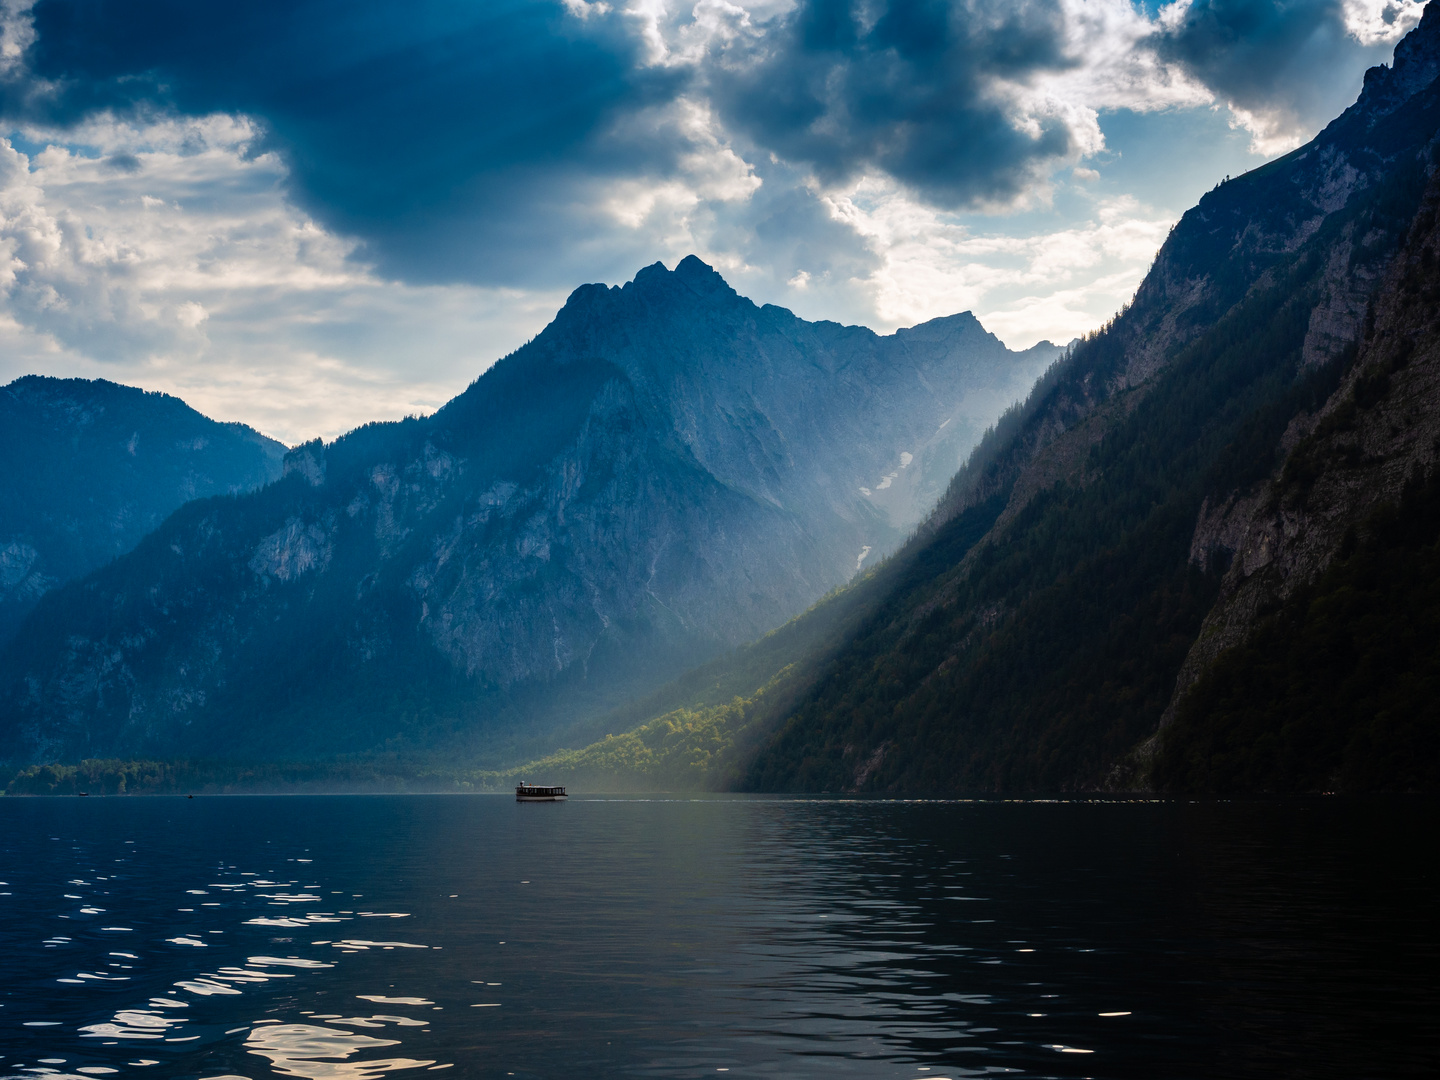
(538,793)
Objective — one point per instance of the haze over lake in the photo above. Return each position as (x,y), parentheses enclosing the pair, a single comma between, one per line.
(354,936)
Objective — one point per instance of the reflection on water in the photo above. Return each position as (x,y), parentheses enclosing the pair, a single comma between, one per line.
(777,938)
(324,1053)
(134,1024)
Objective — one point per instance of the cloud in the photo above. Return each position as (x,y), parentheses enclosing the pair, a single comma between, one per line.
(1381,22)
(307,213)
(1055,284)
(968,103)
(490,143)
(453,140)
(1283,67)
(916,90)
(188,270)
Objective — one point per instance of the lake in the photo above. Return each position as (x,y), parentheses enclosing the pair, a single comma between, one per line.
(360,936)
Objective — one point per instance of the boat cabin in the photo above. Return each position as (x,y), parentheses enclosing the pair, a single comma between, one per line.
(538,793)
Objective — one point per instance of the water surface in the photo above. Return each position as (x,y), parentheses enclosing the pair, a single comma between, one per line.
(354,936)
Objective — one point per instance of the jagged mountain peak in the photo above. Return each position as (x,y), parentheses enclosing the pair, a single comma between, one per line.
(947,328)
(695,288)
(1416,62)
(597,314)
(690,281)
(692,272)
(1415,65)
(692,278)
(701,277)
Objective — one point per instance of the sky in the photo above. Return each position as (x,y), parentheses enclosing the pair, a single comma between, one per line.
(310,214)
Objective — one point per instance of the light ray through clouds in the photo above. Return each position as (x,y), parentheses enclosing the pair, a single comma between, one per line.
(881,163)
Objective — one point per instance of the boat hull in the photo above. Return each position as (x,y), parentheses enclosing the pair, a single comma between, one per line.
(541,798)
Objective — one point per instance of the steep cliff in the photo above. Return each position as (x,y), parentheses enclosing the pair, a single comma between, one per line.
(1319,664)
(665,471)
(1033,633)
(88,468)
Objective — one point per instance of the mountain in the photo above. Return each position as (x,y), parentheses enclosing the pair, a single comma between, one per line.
(1201,556)
(88,468)
(1318,667)
(666,471)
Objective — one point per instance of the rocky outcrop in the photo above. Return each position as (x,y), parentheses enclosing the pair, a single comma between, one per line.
(21,582)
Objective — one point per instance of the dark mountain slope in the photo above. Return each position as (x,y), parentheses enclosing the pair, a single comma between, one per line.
(88,468)
(1036,658)
(1319,665)
(667,470)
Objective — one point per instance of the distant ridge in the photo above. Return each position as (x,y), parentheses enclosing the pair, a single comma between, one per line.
(88,467)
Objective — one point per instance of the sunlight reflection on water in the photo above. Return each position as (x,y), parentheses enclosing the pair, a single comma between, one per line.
(323,1053)
(304,1050)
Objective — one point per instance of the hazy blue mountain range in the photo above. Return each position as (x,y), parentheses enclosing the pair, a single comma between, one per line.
(666,471)
(88,468)
(1203,555)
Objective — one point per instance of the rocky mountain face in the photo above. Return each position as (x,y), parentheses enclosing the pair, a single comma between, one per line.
(1319,664)
(1192,466)
(665,471)
(88,468)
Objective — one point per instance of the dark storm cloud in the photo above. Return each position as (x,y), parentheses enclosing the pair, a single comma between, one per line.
(1235,46)
(458,140)
(1275,58)
(906,87)
(472,141)
(446,135)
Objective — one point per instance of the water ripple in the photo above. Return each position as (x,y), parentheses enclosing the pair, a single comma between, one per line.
(324,1053)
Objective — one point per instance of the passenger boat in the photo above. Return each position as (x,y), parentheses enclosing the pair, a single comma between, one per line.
(538,793)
